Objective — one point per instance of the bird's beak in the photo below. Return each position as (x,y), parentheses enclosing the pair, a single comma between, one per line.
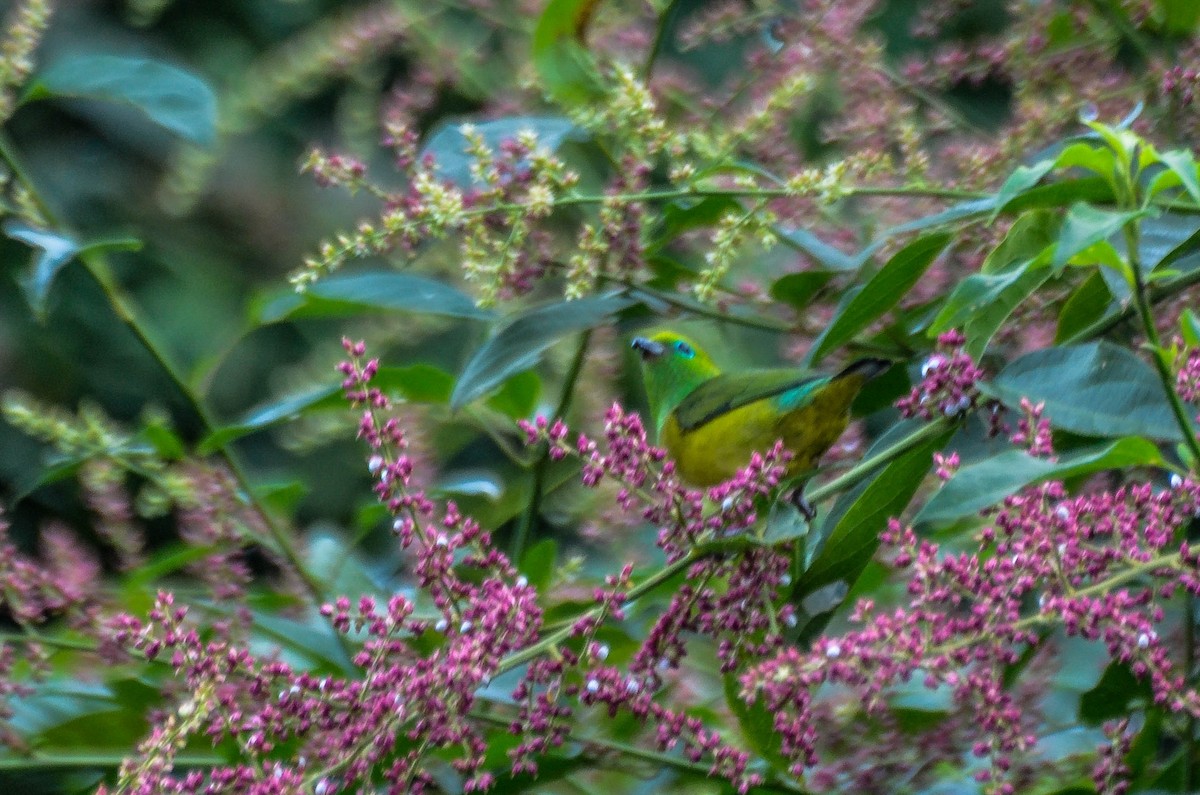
(649,349)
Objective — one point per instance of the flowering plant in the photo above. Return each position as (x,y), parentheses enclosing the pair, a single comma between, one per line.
(504,585)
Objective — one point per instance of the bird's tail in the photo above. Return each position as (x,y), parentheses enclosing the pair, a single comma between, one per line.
(865,368)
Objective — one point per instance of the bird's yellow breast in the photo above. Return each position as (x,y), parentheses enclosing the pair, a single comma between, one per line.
(714,451)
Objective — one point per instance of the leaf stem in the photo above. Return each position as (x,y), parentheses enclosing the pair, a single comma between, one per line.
(529,517)
(894,450)
(96,266)
(1157,353)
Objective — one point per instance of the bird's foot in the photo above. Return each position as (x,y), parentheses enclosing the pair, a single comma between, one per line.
(801,503)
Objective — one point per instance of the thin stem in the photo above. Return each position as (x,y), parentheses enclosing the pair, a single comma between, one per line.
(1189,674)
(529,517)
(523,656)
(1160,292)
(96,266)
(1157,354)
(41,761)
(859,470)
(660,38)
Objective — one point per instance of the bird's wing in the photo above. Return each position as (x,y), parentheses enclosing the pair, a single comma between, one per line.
(728,391)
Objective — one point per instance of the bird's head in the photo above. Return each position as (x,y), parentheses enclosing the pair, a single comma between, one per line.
(672,366)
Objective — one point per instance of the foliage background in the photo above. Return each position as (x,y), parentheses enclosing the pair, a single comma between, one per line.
(222,227)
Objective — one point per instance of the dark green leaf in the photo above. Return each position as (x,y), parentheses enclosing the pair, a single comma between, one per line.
(757,724)
(986,483)
(798,289)
(681,215)
(269,414)
(982,302)
(882,292)
(159,435)
(1170,240)
(1183,165)
(1062,193)
(420,383)
(1020,181)
(1085,226)
(355,293)
(519,395)
(1179,17)
(1110,698)
(169,96)
(55,249)
(1028,240)
(784,523)
(1097,389)
(519,344)
(566,69)
(851,532)
(538,562)
(1189,328)
(448,145)
(817,249)
(959,212)
(1088,302)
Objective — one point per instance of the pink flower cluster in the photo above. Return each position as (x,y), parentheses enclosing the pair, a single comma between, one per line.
(1033,431)
(1097,566)
(948,382)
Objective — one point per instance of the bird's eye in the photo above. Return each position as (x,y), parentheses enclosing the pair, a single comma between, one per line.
(684,350)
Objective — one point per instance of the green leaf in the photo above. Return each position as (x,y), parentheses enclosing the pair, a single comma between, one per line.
(757,724)
(519,395)
(850,533)
(538,562)
(1182,165)
(355,293)
(817,249)
(1020,181)
(169,96)
(987,482)
(566,69)
(965,211)
(1057,195)
(519,343)
(882,292)
(1171,239)
(1031,235)
(1097,389)
(798,289)
(982,302)
(1179,17)
(272,413)
(158,434)
(683,214)
(55,249)
(1189,328)
(1086,304)
(420,383)
(163,562)
(448,145)
(1085,226)
(1111,696)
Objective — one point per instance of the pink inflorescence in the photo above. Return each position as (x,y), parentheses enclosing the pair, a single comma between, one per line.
(1187,380)
(1033,431)
(417,697)
(948,386)
(1098,566)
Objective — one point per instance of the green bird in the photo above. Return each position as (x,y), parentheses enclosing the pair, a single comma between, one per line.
(711,422)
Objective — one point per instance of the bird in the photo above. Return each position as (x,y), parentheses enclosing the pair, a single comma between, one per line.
(711,422)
